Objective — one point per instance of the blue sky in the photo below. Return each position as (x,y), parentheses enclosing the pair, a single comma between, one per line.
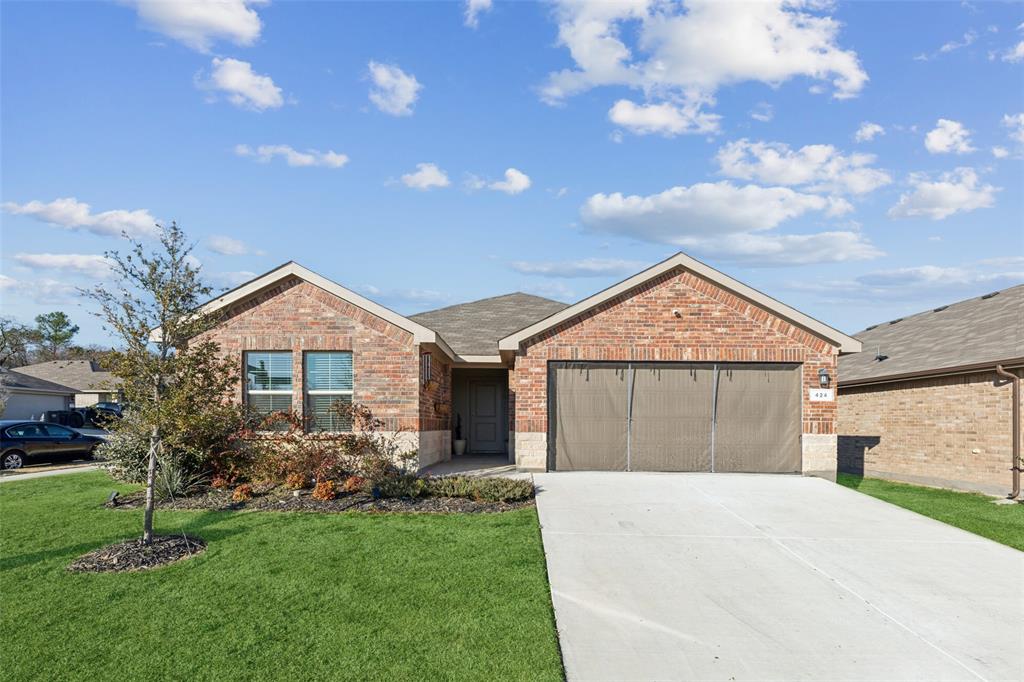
(859,161)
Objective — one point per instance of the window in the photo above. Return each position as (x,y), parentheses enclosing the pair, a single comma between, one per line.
(425,368)
(268,381)
(328,378)
(26,431)
(59,431)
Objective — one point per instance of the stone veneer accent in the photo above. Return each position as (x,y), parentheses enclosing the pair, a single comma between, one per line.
(714,325)
(951,431)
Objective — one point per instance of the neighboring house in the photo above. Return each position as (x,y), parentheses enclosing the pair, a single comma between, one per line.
(31,398)
(679,368)
(923,403)
(91,383)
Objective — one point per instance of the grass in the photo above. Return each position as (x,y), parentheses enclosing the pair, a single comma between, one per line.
(275,595)
(970,511)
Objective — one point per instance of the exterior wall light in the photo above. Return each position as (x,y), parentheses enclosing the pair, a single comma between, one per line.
(823,378)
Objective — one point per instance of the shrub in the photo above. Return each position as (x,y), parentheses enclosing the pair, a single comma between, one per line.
(324,490)
(354,484)
(220,482)
(125,454)
(296,481)
(242,493)
(173,480)
(401,486)
(480,489)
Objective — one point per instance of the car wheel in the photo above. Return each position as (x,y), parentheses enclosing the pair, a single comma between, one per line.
(76,420)
(13,460)
(90,454)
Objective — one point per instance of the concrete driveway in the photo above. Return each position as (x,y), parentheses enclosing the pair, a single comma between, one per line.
(770,577)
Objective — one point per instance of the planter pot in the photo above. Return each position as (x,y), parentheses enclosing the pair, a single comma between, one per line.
(460,447)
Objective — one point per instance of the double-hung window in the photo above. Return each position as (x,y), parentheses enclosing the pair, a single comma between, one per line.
(328,384)
(268,381)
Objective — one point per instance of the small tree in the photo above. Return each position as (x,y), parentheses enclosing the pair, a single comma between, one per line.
(53,335)
(15,343)
(154,308)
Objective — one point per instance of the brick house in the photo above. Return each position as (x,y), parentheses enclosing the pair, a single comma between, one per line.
(923,402)
(678,368)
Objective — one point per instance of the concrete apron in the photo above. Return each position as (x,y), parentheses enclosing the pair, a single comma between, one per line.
(770,577)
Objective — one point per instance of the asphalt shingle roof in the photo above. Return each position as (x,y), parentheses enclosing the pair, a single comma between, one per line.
(16,380)
(475,328)
(979,330)
(83,376)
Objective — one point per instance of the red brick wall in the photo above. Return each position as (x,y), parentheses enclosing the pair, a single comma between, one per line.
(433,417)
(714,325)
(948,431)
(296,316)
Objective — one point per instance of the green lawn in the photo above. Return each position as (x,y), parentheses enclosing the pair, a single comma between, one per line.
(275,595)
(972,512)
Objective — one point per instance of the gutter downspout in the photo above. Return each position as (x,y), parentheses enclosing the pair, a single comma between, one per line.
(1016,430)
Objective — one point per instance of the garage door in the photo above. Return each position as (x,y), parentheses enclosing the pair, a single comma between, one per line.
(674,417)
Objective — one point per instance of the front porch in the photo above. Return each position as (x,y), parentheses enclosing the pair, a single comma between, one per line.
(477,466)
(480,414)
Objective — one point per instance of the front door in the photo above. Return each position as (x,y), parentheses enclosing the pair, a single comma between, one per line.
(486,434)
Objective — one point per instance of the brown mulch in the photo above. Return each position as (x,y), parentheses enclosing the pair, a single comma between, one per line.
(279,498)
(132,555)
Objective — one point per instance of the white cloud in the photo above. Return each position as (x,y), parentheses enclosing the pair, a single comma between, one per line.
(558,291)
(919,282)
(198,23)
(1000,152)
(515,182)
(763,112)
(241,85)
(43,291)
(229,246)
(948,136)
(664,119)
(474,8)
(72,214)
(1015,54)
(684,53)
(427,175)
(966,41)
(868,131)
(1015,124)
(394,91)
(71,263)
(406,297)
(729,222)
(311,157)
(584,267)
(232,279)
(818,167)
(959,191)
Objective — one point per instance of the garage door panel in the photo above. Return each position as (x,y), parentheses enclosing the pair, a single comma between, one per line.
(757,425)
(671,419)
(590,417)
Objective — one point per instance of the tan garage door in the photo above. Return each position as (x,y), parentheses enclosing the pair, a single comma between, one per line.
(674,417)
(757,419)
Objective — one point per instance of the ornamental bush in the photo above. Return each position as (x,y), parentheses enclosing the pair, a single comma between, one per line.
(480,489)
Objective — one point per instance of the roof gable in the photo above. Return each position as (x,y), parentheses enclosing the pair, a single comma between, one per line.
(845,344)
(421,334)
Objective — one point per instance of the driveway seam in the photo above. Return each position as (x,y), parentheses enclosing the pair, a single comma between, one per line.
(839,583)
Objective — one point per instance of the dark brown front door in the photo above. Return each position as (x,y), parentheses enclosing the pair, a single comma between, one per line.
(485,417)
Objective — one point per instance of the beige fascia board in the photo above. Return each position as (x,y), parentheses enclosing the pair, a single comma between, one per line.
(845,343)
(481,360)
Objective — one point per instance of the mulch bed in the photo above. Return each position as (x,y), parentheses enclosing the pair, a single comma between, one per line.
(132,555)
(278,498)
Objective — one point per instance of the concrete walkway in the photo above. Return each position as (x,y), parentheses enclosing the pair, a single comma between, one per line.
(476,465)
(43,472)
(762,577)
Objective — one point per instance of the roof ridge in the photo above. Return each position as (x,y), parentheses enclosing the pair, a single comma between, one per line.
(942,307)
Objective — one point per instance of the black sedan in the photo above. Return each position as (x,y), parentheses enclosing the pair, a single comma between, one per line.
(25,441)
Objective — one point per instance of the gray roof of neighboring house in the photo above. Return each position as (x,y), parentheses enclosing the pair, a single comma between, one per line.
(16,381)
(84,376)
(986,329)
(475,328)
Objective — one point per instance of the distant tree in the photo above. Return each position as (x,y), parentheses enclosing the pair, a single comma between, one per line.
(53,335)
(155,309)
(15,343)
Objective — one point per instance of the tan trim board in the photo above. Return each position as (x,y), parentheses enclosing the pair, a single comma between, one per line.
(845,343)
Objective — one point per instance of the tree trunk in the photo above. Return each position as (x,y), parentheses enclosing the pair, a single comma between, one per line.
(147,523)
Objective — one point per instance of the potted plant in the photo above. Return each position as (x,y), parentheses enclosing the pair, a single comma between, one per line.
(459,444)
